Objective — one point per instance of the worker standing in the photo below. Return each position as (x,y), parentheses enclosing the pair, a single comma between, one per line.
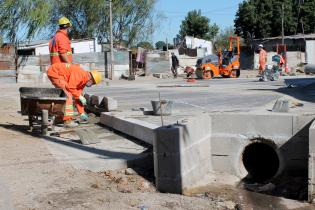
(72,79)
(175,64)
(60,45)
(262,59)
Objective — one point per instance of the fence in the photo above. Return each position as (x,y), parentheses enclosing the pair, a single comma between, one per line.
(7,64)
(34,68)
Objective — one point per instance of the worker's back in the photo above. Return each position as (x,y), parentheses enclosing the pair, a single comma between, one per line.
(70,73)
(60,44)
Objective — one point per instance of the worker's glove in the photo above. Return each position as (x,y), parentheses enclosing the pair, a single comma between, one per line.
(82,100)
(84,116)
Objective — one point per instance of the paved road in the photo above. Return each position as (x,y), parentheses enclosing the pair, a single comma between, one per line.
(221,95)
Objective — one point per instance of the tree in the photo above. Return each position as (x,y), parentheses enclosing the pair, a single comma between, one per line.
(258,19)
(133,20)
(24,17)
(198,26)
(145,45)
(222,39)
(159,45)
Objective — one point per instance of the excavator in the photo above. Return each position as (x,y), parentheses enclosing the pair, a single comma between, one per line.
(225,64)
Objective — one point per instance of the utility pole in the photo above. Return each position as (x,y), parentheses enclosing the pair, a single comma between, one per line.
(111,41)
(282,23)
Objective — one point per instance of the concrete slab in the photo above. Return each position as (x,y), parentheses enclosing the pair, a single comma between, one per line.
(133,127)
(113,152)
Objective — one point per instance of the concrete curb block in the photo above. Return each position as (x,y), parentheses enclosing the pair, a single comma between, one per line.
(98,104)
(141,130)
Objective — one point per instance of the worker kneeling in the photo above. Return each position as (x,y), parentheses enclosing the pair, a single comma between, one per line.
(72,79)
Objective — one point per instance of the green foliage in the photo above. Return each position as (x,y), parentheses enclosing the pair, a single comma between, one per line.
(159,45)
(133,20)
(23,16)
(198,26)
(222,39)
(258,19)
(145,45)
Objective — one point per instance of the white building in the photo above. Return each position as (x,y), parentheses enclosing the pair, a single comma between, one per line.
(193,43)
(42,47)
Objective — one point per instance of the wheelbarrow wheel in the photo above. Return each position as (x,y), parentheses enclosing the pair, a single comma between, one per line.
(45,122)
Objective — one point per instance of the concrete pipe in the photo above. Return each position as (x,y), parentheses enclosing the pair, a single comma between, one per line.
(261,160)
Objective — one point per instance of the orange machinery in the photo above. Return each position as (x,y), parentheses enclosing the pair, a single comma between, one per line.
(225,64)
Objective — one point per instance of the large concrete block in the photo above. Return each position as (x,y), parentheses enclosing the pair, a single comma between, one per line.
(311,164)
(272,124)
(110,104)
(182,154)
(231,133)
(95,100)
(139,129)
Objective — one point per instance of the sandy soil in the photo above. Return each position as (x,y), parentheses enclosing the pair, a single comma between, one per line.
(30,177)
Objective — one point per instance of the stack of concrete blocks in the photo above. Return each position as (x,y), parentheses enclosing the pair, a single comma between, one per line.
(182,154)
(100,104)
(32,69)
(311,164)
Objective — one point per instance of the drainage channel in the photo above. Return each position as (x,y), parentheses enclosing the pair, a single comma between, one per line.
(261,161)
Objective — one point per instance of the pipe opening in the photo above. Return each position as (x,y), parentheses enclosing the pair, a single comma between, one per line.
(261,161)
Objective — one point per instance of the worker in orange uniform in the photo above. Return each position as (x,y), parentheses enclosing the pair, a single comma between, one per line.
(60,45)
(262,59)
(72,79)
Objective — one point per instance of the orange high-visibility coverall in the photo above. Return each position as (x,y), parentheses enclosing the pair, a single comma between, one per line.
(262,60)
(60,44)
(72,79)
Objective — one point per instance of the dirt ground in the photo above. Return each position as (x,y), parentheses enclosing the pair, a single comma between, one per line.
(31,178)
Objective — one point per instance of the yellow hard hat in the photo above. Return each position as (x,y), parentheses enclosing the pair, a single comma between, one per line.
(97,76)
(64,21)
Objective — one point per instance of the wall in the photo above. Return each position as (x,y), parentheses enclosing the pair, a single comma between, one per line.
(294,58)
(7,64)
(82,46)
(310,51)
(158,62)
(33,68)
(122,63)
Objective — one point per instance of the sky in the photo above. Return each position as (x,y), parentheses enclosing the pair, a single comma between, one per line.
(221,12)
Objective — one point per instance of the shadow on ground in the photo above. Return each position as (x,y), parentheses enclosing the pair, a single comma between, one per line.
(143,166)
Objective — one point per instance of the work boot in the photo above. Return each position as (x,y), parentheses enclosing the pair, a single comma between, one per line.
(70,124)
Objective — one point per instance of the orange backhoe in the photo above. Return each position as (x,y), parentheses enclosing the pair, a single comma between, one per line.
(225,64)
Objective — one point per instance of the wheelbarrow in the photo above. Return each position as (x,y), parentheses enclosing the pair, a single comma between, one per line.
(42,106)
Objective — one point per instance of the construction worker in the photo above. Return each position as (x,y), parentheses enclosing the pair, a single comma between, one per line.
(175,64)
(60,45)
(72,79)
(262,59)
